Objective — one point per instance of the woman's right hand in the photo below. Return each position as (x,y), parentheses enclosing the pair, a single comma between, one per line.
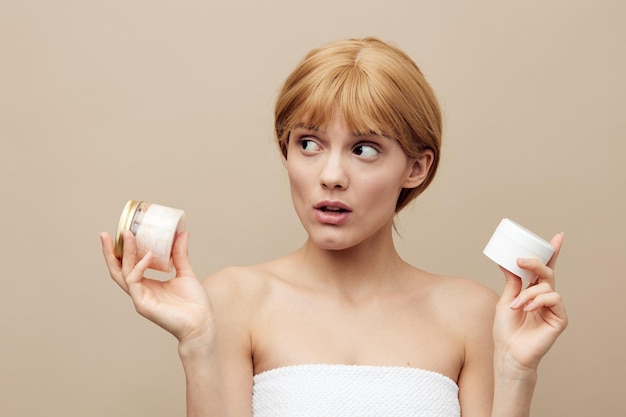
(179,305)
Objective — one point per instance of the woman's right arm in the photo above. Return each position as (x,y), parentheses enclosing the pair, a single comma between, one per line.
(204,394)
(182,307)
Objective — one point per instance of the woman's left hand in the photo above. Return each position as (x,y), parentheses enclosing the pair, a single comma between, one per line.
(528,321)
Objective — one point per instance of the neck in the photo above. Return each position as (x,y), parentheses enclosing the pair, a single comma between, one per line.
(355,272)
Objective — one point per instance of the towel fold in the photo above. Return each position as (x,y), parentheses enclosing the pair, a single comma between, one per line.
(353,390)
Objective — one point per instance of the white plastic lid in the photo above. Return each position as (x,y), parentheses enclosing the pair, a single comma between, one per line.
(511,241)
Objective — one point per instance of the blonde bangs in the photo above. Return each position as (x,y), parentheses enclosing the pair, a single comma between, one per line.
(365,109)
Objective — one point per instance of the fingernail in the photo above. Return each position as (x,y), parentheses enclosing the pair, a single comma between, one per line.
(515,303)
(529,306)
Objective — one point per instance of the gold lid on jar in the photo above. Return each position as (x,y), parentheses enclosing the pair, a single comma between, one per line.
(125,223)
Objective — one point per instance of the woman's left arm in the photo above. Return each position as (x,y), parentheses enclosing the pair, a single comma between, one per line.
(526,325)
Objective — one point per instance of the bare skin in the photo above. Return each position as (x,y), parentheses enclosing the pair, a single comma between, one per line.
(345,296)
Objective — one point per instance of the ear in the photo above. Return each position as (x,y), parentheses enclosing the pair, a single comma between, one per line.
(418,169)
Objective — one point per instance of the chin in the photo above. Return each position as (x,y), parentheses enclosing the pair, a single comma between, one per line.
(334,247)
(331,243)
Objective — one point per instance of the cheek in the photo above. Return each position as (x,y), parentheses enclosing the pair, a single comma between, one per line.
(381,194)
(382,188)
(297,179)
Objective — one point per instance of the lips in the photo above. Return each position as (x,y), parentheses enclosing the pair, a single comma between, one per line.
(332,212)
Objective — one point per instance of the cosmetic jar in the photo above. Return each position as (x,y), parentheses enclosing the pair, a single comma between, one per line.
(155,228)
(511,241)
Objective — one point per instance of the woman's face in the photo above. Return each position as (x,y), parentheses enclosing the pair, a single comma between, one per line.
(344,185)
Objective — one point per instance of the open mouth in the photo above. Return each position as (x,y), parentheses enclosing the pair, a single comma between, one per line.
(332,212)
(329,209)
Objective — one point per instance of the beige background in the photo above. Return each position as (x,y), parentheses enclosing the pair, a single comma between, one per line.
(171,102)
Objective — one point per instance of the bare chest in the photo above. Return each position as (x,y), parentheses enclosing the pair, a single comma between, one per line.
(394,331)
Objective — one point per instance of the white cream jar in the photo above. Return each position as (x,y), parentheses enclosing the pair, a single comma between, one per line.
(511,241)
(155,228)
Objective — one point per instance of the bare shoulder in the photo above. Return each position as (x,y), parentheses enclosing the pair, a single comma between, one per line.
(463,300)
(239,287)
(467,292)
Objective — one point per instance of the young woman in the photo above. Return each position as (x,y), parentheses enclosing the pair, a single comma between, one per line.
(343,326)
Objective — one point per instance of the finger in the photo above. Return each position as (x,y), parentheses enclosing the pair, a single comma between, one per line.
(129,256)
(550,300)
(133,270)
(553,302)
(134,280)
(512,286)
(543,272)
(531,293)
(180,255)
(113,263)
(557,243)
(108,251)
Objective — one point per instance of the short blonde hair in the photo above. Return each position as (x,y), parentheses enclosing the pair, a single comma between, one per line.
(379,89)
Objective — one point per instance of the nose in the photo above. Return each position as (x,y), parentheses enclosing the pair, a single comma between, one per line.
(334,173)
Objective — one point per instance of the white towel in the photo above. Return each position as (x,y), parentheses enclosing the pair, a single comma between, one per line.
(353,390)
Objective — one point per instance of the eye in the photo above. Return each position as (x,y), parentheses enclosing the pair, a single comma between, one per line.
(309,145)
(367,151)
